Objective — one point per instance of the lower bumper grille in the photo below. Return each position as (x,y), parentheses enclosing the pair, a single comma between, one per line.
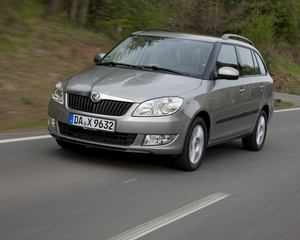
(123,139)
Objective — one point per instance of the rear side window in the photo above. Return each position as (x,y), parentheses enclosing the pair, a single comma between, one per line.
(246,61)
(260,64)
(257,69)
(227,57)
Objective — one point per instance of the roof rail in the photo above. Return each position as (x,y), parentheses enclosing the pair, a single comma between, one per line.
(158,29)
(227,36)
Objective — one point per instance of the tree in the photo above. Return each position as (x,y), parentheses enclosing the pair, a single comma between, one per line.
(130,16)
(73,11)
(83,13)
(52,10)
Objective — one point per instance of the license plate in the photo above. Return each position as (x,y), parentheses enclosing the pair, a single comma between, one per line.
(92,123)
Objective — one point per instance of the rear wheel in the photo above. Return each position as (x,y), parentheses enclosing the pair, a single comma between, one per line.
(194,147)
(256,139)
(69,146)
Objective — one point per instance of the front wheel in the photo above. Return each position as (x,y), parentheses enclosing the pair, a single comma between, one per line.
(194,147)
(256,139)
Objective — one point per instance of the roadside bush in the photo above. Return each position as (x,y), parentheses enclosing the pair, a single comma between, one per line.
(260,29)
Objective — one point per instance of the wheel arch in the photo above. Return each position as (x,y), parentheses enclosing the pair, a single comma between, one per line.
(205,116)
(267,111)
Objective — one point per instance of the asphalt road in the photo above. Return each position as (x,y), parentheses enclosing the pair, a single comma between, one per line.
(50,193)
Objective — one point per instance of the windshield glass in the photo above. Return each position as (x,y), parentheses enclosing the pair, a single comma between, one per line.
(158,53)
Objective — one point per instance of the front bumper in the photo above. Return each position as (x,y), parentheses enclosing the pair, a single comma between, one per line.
(177,123)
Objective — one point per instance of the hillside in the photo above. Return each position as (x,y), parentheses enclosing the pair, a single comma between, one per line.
(35,54)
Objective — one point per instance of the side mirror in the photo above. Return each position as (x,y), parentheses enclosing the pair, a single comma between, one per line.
(98,57)
(228,73)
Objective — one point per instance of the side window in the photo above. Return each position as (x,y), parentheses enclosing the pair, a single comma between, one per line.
(260,64)
(246,61)
(256,66)
(227,57)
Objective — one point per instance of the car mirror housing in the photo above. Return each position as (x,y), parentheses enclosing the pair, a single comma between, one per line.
(228,73)
(98,57)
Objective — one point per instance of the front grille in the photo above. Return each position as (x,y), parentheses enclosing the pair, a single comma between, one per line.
(124,139)
(104,107)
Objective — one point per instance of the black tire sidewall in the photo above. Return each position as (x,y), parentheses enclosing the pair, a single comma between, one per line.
(258,147)
(188,164)
(250,142)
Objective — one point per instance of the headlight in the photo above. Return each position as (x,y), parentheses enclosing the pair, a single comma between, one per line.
(158,107)
(58,94)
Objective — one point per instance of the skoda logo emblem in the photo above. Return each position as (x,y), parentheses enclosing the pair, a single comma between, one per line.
(95,97)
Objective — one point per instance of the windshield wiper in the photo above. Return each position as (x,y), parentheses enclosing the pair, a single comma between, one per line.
(116,64)
(155,68)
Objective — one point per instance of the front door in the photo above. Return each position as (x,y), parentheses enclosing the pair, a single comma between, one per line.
(228,99)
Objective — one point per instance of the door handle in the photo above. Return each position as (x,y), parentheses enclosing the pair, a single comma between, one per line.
(242,90)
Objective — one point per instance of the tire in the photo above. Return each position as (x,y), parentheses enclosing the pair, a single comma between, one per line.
(69,146)
(256,139)
(194,147)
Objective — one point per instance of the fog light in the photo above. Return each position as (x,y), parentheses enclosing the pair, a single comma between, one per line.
(52,123)
(155,140)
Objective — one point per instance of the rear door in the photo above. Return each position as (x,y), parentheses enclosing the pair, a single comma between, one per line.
(253,78)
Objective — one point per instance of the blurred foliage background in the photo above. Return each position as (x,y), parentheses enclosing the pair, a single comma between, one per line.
(45,41)
(268,23)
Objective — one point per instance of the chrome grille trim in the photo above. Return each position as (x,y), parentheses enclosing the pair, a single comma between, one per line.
(104,107)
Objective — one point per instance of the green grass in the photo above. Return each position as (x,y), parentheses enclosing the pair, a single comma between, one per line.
(286,75)
(289,66)
(27,100)
(294,92)
(278,104)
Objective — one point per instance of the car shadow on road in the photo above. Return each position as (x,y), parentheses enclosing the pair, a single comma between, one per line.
(143,162)
(223,150)
(102,157)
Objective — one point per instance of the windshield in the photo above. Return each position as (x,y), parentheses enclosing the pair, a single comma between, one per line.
(182,56)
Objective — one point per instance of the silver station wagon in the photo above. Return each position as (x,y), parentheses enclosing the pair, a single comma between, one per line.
(164,92)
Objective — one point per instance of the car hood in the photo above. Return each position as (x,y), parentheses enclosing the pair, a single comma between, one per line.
(136,85)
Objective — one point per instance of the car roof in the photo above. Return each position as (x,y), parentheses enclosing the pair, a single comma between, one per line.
(173,34)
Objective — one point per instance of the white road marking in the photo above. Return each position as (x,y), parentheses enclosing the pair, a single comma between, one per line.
(130,180)
(24,139)
(287,110)
(159,222)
